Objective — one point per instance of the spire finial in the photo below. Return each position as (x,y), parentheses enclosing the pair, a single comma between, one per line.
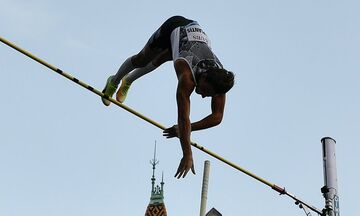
(156,191)
(154,162)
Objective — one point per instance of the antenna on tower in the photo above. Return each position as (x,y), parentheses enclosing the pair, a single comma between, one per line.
(154,162)
(157,192)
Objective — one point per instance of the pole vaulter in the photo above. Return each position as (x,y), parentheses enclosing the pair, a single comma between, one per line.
(275,187)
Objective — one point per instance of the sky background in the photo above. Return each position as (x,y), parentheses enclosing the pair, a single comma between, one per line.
(62,152)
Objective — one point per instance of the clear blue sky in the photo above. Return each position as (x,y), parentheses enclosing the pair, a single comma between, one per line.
(63,153)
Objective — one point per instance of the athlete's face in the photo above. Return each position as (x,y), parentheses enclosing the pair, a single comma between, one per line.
(204,88)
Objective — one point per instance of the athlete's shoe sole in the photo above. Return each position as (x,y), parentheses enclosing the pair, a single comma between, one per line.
(108,91)
(123,90)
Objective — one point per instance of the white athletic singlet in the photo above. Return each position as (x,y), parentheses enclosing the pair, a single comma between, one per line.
(191,44)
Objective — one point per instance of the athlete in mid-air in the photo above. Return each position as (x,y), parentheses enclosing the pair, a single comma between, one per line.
(197,68)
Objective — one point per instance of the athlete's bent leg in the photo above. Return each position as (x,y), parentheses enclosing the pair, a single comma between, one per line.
(139,72)
(155,52)
(161,58)
(139,60)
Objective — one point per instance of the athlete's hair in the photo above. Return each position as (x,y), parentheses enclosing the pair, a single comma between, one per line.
(221,79)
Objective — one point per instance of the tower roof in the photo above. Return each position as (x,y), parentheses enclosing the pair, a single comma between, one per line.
(156,205)
(213,212)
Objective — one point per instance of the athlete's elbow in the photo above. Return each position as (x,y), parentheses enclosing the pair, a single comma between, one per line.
(217,119)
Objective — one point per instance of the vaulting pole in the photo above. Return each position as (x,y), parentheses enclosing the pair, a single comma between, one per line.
(275,187)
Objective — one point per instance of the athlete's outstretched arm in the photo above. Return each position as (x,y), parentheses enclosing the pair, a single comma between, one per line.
(185,87)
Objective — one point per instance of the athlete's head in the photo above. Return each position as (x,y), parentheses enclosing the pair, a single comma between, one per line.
(214,81)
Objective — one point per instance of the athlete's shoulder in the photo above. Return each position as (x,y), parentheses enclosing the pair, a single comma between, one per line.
(181,66)
(183,69)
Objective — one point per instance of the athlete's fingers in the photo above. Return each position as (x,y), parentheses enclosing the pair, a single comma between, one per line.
(185,172)
(193,169)
(179,170)
(179,174)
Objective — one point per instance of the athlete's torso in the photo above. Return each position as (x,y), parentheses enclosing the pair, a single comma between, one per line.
(191,44)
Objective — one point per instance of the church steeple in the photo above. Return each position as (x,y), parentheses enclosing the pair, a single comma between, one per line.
(157,192)
(156,205)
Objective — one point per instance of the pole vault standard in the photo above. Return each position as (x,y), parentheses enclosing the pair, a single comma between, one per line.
(275,187)
(330,189)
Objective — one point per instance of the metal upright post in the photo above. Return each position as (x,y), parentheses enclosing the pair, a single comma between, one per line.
(330,189)
(204,190)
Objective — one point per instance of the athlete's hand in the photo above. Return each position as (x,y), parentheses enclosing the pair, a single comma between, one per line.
(171,132)
(185,165)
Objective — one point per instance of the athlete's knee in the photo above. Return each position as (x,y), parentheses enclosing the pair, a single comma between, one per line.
(163,57)
(146,55)
(139,60)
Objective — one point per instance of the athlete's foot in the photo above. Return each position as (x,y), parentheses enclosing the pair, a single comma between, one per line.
(108,91)
(123,90)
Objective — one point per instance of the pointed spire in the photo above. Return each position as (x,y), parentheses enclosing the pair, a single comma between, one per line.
(156,205)
(157,194)
(153,162)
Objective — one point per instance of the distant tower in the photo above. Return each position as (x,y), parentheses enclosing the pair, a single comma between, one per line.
(156,205)
(213,212)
